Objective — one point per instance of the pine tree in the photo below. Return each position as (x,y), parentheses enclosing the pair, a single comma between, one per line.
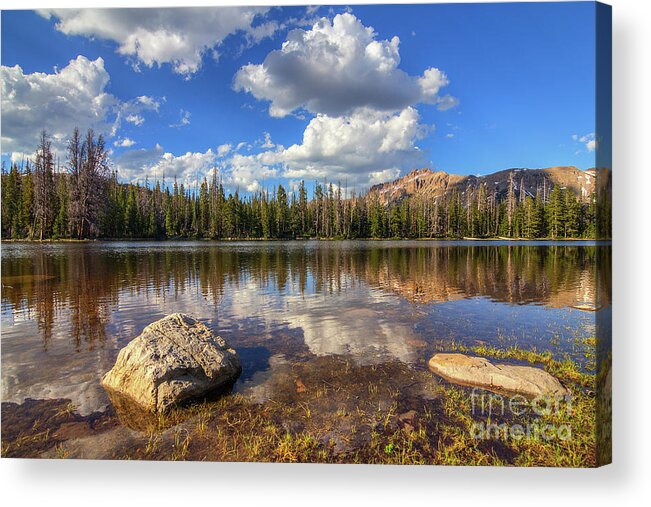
(131,214)
(283,212)
(43,186)
(396,222)
(61,220)
(555,213)
(88,200)
(27,212)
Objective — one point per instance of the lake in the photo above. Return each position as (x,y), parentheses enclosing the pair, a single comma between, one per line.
(68,308)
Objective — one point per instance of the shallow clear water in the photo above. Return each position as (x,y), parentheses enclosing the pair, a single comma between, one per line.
(67,309)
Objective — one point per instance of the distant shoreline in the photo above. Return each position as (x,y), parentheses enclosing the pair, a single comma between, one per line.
(253,240)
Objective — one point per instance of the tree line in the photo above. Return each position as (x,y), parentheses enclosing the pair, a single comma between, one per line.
(84,199)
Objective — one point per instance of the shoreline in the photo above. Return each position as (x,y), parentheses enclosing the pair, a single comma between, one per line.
(253,240)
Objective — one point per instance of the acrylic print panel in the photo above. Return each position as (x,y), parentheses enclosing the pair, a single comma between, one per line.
(308,234)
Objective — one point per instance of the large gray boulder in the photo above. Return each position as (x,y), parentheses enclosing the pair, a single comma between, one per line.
(174,359)
(480,372)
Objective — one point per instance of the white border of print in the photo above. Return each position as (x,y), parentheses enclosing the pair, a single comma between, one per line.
(96,483)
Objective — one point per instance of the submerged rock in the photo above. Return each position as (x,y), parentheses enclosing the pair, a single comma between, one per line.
(480,372)
(174,359)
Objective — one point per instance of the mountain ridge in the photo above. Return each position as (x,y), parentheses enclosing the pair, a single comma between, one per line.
(437,185)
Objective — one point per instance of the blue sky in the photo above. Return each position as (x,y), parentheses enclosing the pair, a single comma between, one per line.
(467,89)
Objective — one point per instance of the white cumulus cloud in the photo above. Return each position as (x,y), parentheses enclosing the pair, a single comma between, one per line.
(190,167)
(178,37)
(132,111)
(155,164)
(267,141)
(360,150)
(248,172)
(136,119)
(124,143)
(336,67)
(590,141)
(71,97)
(133,165)
(224,149)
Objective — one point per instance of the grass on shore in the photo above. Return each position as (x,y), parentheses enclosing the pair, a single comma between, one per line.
(348,413)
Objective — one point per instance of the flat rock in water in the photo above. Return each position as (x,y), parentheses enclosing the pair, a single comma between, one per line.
(587,306)
(480,372)
(174,359)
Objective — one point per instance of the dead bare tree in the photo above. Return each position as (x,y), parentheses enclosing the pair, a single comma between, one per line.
(510,203)
(88,166)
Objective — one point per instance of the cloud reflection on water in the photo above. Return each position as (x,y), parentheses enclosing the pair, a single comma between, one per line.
(62,329)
